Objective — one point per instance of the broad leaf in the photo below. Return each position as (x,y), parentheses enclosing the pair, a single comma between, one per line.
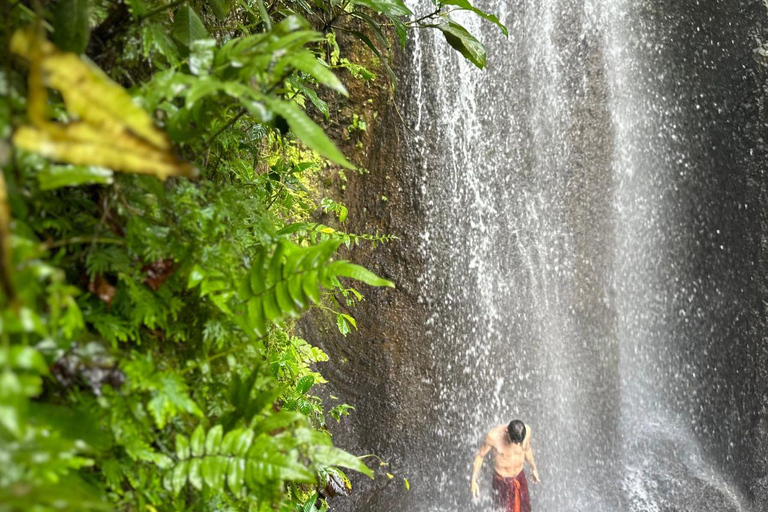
(56,176)
(70,25)
(466,5)
(346,269)
(220,8)
(306,130)
(388,7)
(458,37)
(308,63)
(331,456)
(305,384)
(187,27)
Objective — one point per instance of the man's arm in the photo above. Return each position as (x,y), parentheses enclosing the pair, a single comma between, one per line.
(529,455)
(478,463)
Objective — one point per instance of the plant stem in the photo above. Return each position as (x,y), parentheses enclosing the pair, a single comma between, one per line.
(226,126)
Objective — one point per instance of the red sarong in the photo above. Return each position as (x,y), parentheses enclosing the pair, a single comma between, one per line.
(512,493)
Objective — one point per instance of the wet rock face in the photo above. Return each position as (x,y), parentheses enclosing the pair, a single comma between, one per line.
(583,244)
(383,368)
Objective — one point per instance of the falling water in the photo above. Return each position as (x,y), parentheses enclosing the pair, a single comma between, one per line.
(588,263)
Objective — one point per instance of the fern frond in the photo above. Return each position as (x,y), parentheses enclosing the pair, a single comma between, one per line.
(286,282)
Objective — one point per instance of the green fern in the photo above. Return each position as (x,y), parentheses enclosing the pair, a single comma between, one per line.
(252,458)
(287,281)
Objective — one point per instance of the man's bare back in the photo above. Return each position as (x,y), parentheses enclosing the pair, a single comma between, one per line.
(508,457)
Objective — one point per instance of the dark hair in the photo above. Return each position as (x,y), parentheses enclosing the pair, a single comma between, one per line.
(516,430)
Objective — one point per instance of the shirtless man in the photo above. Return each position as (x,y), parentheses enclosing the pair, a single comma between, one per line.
(511,445)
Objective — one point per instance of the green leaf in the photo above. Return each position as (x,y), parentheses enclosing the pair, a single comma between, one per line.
(309,505)
(297,292)
(237,442)
(345,269)
(271,465)
(309,64)
(271,309)
(306,130)
(375,26)
(388,7)
(56,176)
(213,440)
(195,474)
(201,56)
(228,444)
(187,27)
(197,442)
(236,476)
(179,476)
(310,287)
(285,301)
(332,456)
(70,25)
(214,470)
(305,384)
(171,398)
(321,105)
(401,31)
(342,325)
(256,317)
(461,40)
(350,319)
(264,15)
(258,272)
(182,447)
(280,420)
(466,5)
(220,8)
(242,443)
(196,276)
(367,41)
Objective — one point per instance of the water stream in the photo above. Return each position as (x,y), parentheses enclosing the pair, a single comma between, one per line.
(588,263)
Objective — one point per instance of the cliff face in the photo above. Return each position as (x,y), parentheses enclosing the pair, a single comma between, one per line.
(383,368)
(614,184)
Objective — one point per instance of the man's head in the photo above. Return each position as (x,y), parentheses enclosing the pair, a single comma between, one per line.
(516,431)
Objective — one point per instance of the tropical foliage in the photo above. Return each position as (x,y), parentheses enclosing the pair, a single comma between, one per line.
(158,242)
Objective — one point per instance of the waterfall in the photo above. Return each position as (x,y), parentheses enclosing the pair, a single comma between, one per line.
(588,211)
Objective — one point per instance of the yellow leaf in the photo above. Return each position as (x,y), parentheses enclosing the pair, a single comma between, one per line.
(110,129)
(390,476)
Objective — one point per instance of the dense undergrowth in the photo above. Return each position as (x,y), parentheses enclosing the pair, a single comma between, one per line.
(157,244)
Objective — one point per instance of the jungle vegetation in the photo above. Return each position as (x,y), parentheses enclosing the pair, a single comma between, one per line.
(159,240)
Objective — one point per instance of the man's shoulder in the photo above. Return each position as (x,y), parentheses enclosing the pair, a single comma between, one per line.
(495,432)
(528,432)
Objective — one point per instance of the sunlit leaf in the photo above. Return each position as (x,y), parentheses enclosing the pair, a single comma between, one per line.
(56,176)
(201,56)
(112,131)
